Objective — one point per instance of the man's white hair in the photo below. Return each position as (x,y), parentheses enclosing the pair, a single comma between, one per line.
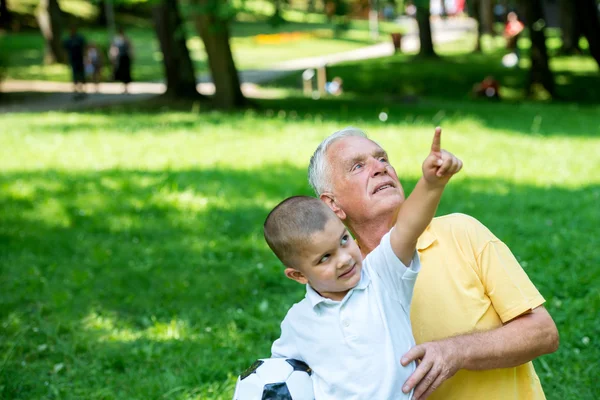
(319,169)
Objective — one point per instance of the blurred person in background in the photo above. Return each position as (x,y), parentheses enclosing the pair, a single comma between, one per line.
(121,55)
(75,48)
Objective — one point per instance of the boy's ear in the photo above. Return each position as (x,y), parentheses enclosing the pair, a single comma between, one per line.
(328,199)
(296,275)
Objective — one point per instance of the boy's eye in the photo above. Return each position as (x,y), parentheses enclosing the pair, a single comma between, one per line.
(324,258)
(345,239)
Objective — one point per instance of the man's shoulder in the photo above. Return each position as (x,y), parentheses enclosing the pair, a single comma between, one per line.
(459,225)
(455,221)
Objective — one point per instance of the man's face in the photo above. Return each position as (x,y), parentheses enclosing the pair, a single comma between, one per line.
(330,261)
(364,184)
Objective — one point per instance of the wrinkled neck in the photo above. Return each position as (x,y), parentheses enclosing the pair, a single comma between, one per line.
(368,234)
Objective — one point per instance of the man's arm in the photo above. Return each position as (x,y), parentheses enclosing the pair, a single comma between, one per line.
(520,340)
(419,208)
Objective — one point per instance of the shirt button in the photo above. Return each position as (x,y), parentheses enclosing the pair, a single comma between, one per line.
(346,323)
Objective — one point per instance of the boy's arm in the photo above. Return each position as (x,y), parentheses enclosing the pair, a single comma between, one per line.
(419,208)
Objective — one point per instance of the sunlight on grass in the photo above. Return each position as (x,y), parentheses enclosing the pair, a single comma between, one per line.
(104,145)
(110,330)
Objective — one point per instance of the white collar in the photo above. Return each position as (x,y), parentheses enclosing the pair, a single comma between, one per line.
(315,298)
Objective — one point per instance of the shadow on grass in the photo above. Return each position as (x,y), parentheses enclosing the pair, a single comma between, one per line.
(135,284)
(520,119)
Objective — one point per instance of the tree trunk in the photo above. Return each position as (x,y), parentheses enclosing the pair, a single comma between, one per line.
(486,19)
(214,31)
(424,23)
(179,70)
(540,70)
(587,16)
(49,18)
(5,15)
(475,10)
(570,29)
(276,19)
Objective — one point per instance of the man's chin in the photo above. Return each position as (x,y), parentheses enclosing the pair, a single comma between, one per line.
(388,203)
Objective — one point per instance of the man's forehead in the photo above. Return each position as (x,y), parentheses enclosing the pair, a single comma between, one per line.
(352,147)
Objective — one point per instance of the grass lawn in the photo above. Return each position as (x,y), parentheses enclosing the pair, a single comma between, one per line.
(132,264)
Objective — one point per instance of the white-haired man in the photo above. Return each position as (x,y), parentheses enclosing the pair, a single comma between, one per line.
(477,319)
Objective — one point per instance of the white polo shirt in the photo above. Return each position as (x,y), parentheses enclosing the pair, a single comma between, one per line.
(354,346)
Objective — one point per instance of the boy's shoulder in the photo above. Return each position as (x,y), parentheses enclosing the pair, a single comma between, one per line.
(298,311)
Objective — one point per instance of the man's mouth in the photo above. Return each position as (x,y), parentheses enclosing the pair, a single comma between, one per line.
(383,187)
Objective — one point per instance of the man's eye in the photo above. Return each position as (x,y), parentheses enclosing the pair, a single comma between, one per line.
(383,159)
(356,166)
(324,259)
(344,239)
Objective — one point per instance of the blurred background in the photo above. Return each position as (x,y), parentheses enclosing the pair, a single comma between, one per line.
(143,143)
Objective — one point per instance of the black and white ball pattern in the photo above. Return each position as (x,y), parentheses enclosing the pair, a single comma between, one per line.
(275,379)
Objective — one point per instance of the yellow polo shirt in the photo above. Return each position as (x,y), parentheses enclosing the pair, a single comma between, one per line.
(470,281)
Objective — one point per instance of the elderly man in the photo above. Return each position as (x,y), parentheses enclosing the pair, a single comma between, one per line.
(477,319)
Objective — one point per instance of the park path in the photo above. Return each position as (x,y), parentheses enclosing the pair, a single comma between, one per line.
(57,95)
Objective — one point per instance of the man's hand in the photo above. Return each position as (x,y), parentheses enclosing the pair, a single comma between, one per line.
(438,362)
(440,165)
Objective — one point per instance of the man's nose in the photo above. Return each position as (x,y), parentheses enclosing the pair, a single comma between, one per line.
(378,167)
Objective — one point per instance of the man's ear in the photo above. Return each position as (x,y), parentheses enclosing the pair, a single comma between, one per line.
(296,275)
(328,199)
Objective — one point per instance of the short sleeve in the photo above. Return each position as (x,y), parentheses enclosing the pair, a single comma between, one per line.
(398,279)
(285,346)
(509,288)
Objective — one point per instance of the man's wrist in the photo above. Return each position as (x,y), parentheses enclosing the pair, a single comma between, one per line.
(457,352)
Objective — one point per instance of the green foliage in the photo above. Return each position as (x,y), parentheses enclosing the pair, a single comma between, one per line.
(132,263)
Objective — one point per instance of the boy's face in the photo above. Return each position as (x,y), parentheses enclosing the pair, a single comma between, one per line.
(330,262)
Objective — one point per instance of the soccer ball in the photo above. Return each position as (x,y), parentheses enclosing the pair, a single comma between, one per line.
(275,379)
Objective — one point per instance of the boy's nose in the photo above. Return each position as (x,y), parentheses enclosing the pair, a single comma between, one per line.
(344,260)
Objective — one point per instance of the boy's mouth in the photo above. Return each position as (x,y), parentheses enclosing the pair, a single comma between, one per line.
(348,272)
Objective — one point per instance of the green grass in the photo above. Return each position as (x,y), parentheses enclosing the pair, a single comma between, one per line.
(132,264)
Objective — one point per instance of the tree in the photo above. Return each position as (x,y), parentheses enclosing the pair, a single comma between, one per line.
(474,10)
(486,19)
(211,20)
(179,70)
(277,19)
(587,18)
(424,23)
(49,16)
(540,70)
(5,15)
(570,30)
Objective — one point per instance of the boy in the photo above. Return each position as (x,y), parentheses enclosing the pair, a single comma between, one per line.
(353,325)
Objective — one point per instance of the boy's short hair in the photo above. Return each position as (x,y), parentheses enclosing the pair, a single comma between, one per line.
(292,222)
